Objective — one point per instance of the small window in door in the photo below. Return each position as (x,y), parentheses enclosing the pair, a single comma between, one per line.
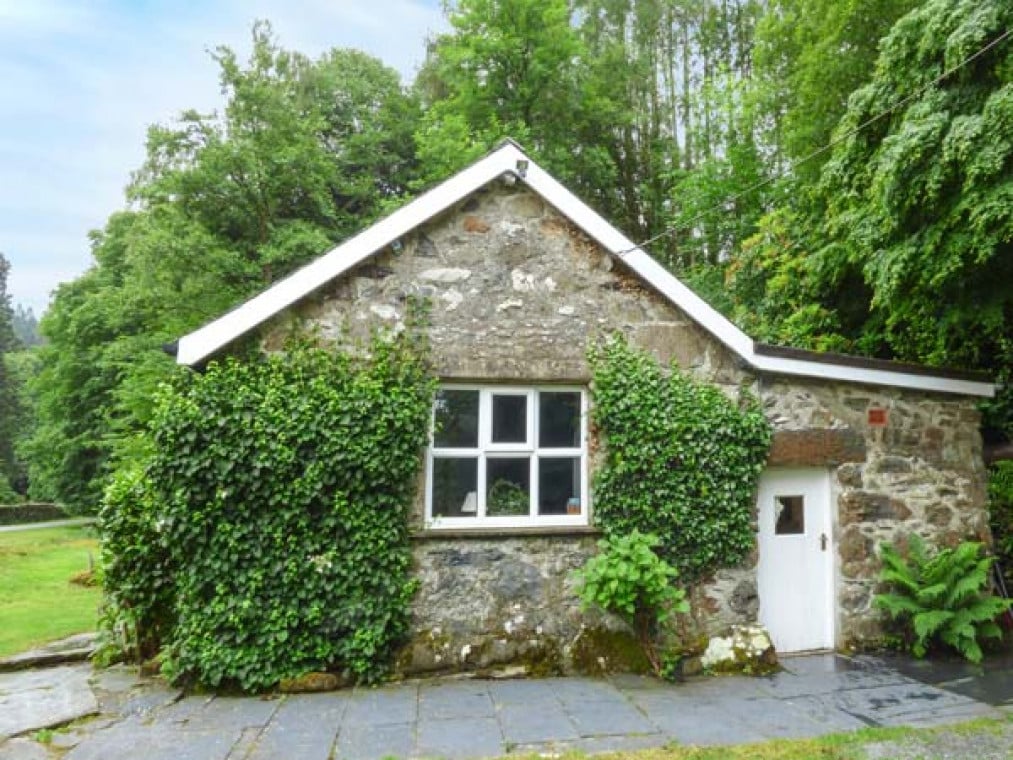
(789,515)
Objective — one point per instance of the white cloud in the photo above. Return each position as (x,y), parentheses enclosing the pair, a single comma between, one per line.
(81,82)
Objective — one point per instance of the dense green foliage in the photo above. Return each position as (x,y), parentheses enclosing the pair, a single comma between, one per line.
(629,579)
(681,460)
(267,535)
(9,392)
(26,326)
(303,154)
(682,119)
(940,598)
(1000,509)
(137,567)
(902,245)
(810,55)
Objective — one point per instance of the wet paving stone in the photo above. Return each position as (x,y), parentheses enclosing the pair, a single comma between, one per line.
(304,727)
(609,718)
(455,700)
(536,723)
(475,718)
(460,738)
(390,704)
(358,741)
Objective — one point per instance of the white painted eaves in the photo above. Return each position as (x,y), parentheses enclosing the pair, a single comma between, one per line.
(212,337)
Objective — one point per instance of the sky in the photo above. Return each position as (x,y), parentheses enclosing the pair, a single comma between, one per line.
(81,81)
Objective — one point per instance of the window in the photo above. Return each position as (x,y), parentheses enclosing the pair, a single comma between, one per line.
(789,515)
(507,457)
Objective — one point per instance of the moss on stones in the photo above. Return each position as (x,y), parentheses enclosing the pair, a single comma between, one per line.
(599,650)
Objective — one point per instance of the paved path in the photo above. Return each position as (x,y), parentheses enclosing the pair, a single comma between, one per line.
(49,524)
(476,718)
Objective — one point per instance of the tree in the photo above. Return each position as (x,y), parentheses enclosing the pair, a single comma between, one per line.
(26,326)
(810,55)
(904,247)
(9,411)
(506,70)
(303,154)
(919,202)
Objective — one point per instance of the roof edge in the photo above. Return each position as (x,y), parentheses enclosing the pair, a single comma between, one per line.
(509,158)
(864,362)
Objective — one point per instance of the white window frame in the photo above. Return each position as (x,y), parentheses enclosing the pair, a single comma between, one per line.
(486,450)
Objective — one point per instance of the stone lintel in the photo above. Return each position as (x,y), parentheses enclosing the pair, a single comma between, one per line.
(816,447)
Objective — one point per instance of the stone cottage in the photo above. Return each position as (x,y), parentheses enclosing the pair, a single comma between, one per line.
(522,276)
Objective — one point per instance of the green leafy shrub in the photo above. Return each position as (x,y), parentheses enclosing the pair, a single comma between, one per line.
(274,507)
(7,494)
(1000,508)
(630,580)
(681,460)
(940,598)
(137,567)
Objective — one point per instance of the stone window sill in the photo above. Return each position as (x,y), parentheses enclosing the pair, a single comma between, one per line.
(548,531)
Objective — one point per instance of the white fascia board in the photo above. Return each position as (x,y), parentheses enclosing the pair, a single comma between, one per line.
(213,336)
(871,376)
(592,223)
(713,321)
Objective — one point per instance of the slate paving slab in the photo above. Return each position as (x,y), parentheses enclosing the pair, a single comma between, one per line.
(536,723)
(34,699)
(390,704)
(358,741)
(134,737)
(688,720)
(609,718)
(990,682)
(76,648)
(231,714)
(305,726)
(465,719)
(459,699)
(523,692)
(460,738)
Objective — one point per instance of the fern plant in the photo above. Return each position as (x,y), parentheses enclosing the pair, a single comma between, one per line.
(942,597)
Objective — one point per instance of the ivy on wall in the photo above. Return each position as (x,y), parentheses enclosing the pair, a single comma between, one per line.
(268,535)
(681,460)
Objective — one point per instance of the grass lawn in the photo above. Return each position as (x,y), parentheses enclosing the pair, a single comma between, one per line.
(38,603)
(990,737)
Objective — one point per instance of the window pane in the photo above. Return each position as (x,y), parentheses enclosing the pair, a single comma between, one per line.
(509,419)
(559,486)
(789,515)
(456,419)
(559,419)
(509,484)
(455,487)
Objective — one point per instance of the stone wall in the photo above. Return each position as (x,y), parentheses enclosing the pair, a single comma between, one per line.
(517,295)
(485,603)
(922,472)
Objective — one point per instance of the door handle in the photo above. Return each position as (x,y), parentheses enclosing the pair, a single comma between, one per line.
(823,542)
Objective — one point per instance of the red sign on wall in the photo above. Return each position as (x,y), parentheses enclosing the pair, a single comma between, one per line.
(877,417)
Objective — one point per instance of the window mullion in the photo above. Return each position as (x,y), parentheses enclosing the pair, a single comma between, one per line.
(533,469)
(481,486)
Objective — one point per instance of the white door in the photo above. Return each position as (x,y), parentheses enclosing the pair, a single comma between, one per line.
(795,574)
